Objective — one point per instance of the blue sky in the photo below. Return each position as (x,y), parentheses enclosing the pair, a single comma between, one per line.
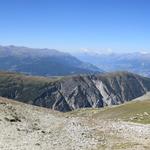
(73,25)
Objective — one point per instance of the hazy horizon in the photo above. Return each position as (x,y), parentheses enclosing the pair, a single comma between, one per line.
(85,50)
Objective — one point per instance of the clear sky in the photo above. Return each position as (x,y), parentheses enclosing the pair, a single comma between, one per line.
(72,25)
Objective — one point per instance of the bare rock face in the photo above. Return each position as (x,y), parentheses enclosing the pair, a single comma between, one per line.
(96,90)
(73,92)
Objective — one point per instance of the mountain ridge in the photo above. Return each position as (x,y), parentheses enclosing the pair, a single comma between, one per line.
(73,92)
(42,62)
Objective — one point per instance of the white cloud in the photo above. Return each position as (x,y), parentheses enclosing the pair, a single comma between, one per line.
(97,51)
(85,49)
(144,51)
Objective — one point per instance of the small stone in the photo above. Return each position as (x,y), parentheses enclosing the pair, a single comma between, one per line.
(38,144)
(43,131)
(18,129)
(146,114)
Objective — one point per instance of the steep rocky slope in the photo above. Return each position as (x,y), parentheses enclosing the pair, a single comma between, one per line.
(73,92)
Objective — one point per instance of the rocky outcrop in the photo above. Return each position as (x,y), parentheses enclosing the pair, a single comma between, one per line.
(69,93)
(95,91)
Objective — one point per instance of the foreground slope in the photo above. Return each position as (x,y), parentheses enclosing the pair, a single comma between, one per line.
(24,127)
(73,92)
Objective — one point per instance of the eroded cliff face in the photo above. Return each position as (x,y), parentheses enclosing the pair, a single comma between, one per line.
(95,91)
(69,93)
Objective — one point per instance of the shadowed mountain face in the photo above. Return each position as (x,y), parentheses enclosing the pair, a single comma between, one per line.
(45,62)
(132,62)
(73,92)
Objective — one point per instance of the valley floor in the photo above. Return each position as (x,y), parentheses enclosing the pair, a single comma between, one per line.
(26,127)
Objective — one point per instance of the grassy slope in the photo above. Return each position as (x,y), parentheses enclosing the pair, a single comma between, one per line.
(135,111)
(28,86)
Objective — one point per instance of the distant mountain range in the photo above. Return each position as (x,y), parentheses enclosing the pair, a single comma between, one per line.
(45,62)
(138,62)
